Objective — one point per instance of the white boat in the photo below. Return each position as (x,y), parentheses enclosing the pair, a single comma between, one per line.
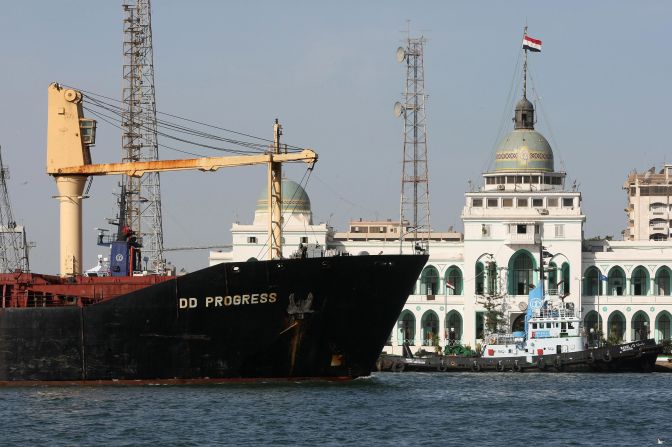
(550,328)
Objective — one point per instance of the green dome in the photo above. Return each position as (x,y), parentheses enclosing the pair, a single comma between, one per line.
(524,150)
(294,198)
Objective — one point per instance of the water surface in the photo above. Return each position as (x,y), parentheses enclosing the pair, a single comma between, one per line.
(387,409)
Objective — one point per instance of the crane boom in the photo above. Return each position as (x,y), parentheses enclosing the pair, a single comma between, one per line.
(139,168)
(69,138)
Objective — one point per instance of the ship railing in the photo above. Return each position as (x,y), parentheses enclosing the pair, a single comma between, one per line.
(555,313)
(502,339)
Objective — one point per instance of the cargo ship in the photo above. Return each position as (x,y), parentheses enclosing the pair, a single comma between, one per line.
(296,318)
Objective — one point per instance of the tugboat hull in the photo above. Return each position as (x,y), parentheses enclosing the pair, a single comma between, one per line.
(294,318)
(638,356)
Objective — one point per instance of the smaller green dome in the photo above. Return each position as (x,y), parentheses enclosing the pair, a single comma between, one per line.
(524,150)
(294,198)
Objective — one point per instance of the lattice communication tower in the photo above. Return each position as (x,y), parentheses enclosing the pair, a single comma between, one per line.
(13,246)
(414,212)
(142,210)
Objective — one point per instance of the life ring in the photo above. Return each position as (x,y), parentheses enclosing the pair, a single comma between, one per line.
(398,367)
(442,367)
(607,357)
(500,366)
(541,364)
(475,366)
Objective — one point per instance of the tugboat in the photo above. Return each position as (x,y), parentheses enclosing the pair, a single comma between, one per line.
(553,340)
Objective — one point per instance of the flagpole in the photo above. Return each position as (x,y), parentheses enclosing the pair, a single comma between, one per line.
(525,66)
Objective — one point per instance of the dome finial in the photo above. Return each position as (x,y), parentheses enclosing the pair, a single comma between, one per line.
(524,114)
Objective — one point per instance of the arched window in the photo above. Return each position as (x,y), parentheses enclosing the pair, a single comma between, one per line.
(521,267)
(592,284)
(552,278)
(429,281)
(406,328)
(480,325)
(454,281)
(640,326)
(430,328)
(616,327)
(640,281)
(565,279)
(616,281)
(454,327)
(519,323)
(479,287)
(593,325)
(663,326)
(491,273)
(662,281)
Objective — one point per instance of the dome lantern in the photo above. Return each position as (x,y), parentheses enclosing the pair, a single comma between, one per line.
(524,115)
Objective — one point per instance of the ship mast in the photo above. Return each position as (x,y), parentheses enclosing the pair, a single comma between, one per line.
(139,141)
(13,246)
(275,197)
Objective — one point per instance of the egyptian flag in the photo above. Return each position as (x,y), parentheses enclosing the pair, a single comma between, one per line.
(531,44)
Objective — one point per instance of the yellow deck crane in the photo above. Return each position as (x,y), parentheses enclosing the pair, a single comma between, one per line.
(69,137)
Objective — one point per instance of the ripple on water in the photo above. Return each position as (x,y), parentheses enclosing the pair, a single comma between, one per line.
(406,409)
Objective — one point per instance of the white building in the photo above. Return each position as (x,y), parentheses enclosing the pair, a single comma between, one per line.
(522,214)
(649,208)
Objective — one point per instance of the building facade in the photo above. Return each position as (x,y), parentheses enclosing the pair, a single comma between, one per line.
(523,220)
(649,209)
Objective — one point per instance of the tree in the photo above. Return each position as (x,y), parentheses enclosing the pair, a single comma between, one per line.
(492,301)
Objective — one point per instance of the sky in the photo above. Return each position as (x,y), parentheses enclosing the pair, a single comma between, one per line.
(327,71)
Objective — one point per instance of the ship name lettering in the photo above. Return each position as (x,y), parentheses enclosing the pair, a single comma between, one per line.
(188,303)
(229,300)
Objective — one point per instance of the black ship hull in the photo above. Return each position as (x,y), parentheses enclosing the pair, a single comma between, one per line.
(292,318)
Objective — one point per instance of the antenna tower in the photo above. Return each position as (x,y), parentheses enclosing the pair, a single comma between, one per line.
(13,246)
(414,210)
(142,210)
